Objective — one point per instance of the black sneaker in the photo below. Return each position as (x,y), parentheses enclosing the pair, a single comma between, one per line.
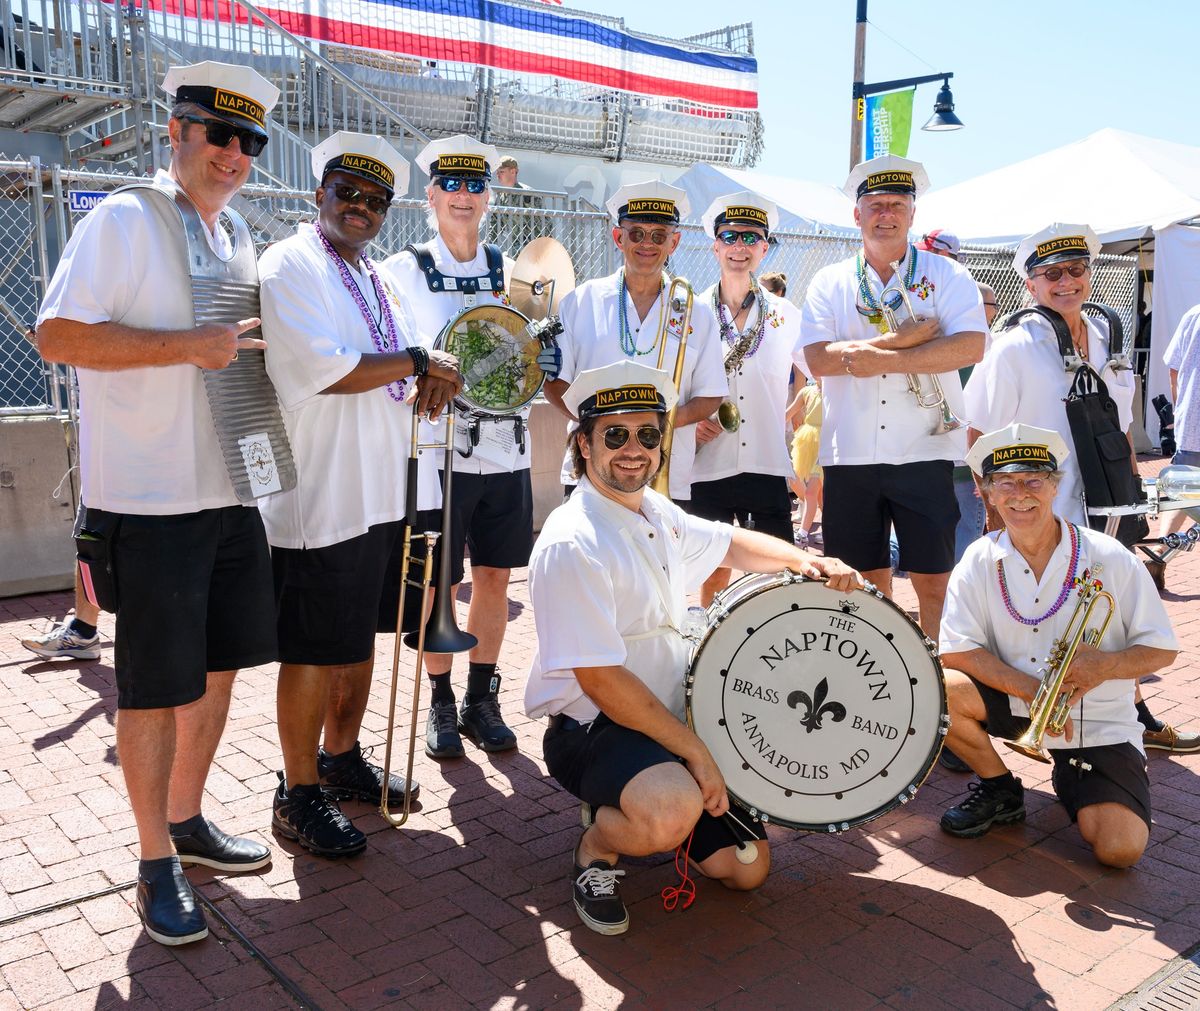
(482,723)
(306,815)
(442,739)
(949,761)
(598,899)
(350,776)
(209,846)
(986,806)
(168,908)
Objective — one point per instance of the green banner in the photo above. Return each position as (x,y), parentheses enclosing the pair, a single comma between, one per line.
(889,123)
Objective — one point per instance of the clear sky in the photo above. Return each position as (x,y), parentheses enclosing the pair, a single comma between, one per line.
(1029,75)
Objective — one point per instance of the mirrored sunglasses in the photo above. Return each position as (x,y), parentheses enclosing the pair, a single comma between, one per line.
(615,436)
(219,134)
(731,237)
(639,235)
(452,184)
(1054,273)
(351,195)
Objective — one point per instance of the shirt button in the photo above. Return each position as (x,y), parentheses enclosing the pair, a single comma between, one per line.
(1035,630)
(883,401)
(652,538)
(1027,572)
(884,376)
(883,426)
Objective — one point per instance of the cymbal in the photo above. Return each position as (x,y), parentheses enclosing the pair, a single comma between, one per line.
(543,261)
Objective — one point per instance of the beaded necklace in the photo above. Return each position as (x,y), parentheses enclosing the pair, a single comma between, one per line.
(385,338)
(628,341)
(730,334)
(1068,583)
(864,287)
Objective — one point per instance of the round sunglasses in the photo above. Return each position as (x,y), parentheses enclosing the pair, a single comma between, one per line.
(615,436)
(1054,273)
(1009,485)
(639,235)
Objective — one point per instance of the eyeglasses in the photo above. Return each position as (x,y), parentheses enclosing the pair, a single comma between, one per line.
(731,238)
(616,436)
(639,235)
(1054,273)
(219,134)
(452,184)
(350,195)
(1009,485)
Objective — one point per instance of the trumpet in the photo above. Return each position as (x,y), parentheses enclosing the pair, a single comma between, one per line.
(935,398)
(681,303)
(1050,708)
(440,634)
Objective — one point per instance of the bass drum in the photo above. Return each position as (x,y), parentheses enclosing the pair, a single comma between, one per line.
(497,349)
(822,710)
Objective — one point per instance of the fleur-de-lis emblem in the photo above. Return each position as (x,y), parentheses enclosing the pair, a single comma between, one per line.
(816,708)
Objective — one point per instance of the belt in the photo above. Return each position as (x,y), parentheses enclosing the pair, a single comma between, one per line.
(560,723)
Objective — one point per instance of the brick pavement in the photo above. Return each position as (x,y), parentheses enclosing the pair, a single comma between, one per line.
(469,905)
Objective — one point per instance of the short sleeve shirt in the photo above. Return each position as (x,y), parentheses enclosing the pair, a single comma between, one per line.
(1183,355)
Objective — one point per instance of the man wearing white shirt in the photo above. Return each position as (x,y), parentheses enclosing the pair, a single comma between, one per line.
(622,316)
(885,464)
(191,564)
(743,465)
(1010,601)
(492,508)
(608,581)
(342,350)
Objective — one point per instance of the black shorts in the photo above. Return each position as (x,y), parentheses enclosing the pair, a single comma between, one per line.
(1117,772)
(863,503)
(491,515)
(327,599)
(195,596)
(597,761)
(757,501)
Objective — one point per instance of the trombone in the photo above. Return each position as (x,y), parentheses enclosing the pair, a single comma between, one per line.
(681,303)
(440,634)
(935,398)
(1049,709)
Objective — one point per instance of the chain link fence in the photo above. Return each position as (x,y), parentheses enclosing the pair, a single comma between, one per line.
(39,209)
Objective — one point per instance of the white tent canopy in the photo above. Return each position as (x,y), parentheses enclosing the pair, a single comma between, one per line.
(1123,184)
(803,205)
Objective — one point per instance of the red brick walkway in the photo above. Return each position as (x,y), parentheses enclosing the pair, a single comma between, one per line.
(469,906)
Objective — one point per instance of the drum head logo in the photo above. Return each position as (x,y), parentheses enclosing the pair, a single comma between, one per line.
(817,715)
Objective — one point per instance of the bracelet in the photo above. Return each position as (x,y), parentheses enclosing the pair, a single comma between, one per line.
(420,360)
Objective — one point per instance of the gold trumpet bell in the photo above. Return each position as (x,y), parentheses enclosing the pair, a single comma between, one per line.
(1029,745)
(729,417)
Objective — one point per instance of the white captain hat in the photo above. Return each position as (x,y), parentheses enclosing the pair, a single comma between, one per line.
(365,155)
(239,95)
(1054,244)
(742,208)
(889,174)
(459,156)
(621,388)
(1017,448)
(651,202)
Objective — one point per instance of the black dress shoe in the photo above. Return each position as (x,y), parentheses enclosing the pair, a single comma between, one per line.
(168,908)
(349,776)
(209,846)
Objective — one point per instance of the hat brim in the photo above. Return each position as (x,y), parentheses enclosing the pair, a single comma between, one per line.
(1064,257)
(1024,466)
(586,415)
(358,175)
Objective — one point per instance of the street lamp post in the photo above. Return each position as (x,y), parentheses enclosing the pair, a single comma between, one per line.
(943,110)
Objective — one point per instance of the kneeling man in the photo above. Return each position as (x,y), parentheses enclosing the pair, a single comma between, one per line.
(608,580)
(1010,600)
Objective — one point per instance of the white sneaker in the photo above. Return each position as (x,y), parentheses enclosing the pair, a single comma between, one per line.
(64,641)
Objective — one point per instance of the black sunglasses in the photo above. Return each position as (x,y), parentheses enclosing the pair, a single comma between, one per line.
(1054,273)
(350,195)
(731,238)
(616,436)
(219,134)
(452,184)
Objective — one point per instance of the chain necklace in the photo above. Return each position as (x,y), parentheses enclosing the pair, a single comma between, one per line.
(864,287)
(628,340)
(384,342)
(1068,584)
(743,345)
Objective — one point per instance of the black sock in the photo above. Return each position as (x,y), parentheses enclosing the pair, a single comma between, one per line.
(1003,782)
(1146,718)
(82,628)
(481,681)
(148,870)
(187,827)
(442,690)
